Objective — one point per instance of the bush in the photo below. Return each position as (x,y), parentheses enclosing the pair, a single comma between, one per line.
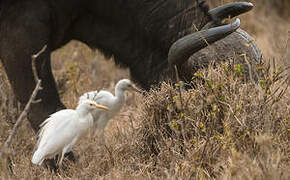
(223,127)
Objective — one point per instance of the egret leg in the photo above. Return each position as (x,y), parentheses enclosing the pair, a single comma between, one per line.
(70,156)
(52,163)
(41,162)
(61,155)
(70,146)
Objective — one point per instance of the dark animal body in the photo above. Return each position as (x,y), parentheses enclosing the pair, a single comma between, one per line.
(139,34)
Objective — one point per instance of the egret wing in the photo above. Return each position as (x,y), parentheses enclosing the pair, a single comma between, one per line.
(100,97)
(104,98)
(55,124)
(88,95)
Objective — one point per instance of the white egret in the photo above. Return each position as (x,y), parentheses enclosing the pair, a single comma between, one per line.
(62,129)
(105,98)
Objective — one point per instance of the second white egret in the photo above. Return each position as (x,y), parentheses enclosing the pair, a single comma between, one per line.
(105,98)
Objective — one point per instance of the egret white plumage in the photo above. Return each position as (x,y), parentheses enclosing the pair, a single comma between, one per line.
(62,129)
(105,98)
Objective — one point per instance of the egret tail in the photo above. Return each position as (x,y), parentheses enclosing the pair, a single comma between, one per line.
(37,158)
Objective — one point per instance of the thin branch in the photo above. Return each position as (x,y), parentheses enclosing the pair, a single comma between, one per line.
(19,120)
(24,113)
(249,66)
(181,102)
(179,86)
(176,73)
(231,109)
(33,59)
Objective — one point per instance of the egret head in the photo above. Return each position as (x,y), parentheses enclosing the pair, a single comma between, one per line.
(91,105)
(127,85)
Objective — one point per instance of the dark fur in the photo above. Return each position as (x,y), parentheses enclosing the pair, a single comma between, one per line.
(138,33)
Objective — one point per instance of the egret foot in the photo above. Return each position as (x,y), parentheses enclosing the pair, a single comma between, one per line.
(51,164)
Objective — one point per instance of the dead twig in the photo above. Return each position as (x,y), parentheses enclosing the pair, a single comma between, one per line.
(19,120)
(181,102)
(231,109)
(33,59)
(24,113)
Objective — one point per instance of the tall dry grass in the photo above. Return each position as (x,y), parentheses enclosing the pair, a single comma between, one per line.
(223,128)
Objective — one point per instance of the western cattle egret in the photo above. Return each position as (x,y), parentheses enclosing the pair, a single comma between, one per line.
(105,98)
(61,130)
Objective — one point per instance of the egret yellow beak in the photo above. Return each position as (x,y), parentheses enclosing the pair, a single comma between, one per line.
(136,89)
(101,107)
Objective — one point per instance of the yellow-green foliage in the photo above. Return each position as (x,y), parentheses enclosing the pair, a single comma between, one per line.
(223,127)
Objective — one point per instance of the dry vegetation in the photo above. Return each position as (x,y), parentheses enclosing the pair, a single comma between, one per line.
(223,128)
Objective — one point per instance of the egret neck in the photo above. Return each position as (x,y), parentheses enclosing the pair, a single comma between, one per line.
(120,93)
(85,117)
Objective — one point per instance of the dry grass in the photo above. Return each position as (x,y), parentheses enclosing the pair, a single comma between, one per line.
(223,128)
